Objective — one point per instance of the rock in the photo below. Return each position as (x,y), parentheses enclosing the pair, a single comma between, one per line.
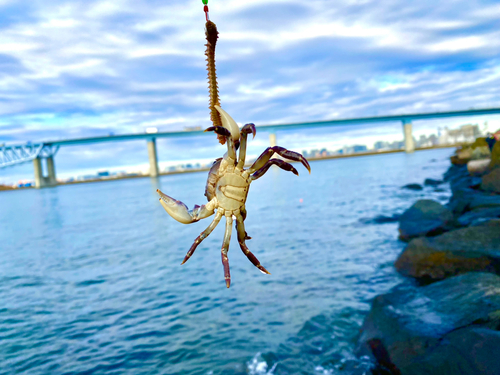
(381,219)
(414,330)
(479,215)
(480,143)
(415,187)
(425,218)
(481,152)
(481,348)
(432,182)
(478,167)
(491,181)
(484,200)
(463,250)
(461,199)
(462,156)
(495,156)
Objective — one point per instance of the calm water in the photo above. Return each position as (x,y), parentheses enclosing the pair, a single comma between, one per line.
(91,281)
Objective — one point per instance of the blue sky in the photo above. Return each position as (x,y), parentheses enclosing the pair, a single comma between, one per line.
(72,69)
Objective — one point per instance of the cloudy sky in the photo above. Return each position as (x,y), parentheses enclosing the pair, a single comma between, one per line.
(71,68)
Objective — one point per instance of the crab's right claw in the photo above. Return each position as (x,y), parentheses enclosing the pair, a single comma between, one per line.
(179,211)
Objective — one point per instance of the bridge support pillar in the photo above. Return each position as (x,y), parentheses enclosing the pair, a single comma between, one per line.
(51,171)
(153,158)
(272,139)
(408,136)
(39,180)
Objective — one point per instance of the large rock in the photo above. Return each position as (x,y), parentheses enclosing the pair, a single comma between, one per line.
(478,167)
(478,215)
(491,181)
(495,156)
(481,348)
(425,218)
(484,200)
(462,156)
(420,330)
(475,248)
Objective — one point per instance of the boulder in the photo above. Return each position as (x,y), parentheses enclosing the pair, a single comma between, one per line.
(475,248)
(495,156)
(462,156)
(481,348)
(481,152)
(478,215)
(420,330)
(491,181)
(415,187)
(432,182)
(478,167)
(484,200)
(425,218)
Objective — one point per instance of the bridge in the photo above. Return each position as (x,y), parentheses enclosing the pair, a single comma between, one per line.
(36,152)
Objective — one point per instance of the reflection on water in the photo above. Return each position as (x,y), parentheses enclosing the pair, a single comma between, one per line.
(91,282)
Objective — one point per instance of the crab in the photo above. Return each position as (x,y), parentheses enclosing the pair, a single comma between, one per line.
(228,182)
(227,189)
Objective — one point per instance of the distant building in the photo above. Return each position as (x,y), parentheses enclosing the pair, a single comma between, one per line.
(465,133)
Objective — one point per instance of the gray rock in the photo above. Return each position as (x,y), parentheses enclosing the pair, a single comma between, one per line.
(425,218)
(478,167)
(463,250)
(484,200)
(481,347)
(491,181)
(416,187)
(478,215)
(417,330)
(432,182)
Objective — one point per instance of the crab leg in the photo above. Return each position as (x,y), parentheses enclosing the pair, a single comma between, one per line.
(247,129)
(180,212)
(203,235)
(269,152)
(225,248)
(280,163)
(242,235)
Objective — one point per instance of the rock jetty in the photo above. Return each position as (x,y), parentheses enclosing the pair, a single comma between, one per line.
(445,317)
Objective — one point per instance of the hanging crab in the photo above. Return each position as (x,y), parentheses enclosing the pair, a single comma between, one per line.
(228,182)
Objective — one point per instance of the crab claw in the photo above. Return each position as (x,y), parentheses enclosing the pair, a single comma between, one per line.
(220,130)
(179,211)
(229,123)
(249,128)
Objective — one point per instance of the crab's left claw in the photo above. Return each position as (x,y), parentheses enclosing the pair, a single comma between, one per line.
(220,130)
(229,124)
(180,212)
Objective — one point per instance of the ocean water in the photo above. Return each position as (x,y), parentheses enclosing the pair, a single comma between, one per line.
(91,281)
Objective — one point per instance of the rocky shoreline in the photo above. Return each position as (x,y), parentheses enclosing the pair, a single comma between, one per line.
(445,317)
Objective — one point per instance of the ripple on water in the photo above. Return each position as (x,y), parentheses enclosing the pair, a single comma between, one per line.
(91,287)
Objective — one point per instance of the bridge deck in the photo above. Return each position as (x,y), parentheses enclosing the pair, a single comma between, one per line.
(272,128)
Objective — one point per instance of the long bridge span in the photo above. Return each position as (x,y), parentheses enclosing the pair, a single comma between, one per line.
(11,155)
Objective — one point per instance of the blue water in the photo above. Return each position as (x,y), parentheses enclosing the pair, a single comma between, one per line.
(91,281)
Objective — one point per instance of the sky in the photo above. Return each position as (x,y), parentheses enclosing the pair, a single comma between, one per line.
(71,69)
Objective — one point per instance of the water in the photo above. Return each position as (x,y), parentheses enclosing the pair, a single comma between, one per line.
(91,282)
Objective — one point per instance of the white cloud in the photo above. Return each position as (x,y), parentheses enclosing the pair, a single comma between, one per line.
(80,68)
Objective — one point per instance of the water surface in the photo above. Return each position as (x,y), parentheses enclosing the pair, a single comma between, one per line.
(91,281)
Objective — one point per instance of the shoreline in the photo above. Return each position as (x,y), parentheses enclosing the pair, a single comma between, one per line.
(116,178)
(443,317)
